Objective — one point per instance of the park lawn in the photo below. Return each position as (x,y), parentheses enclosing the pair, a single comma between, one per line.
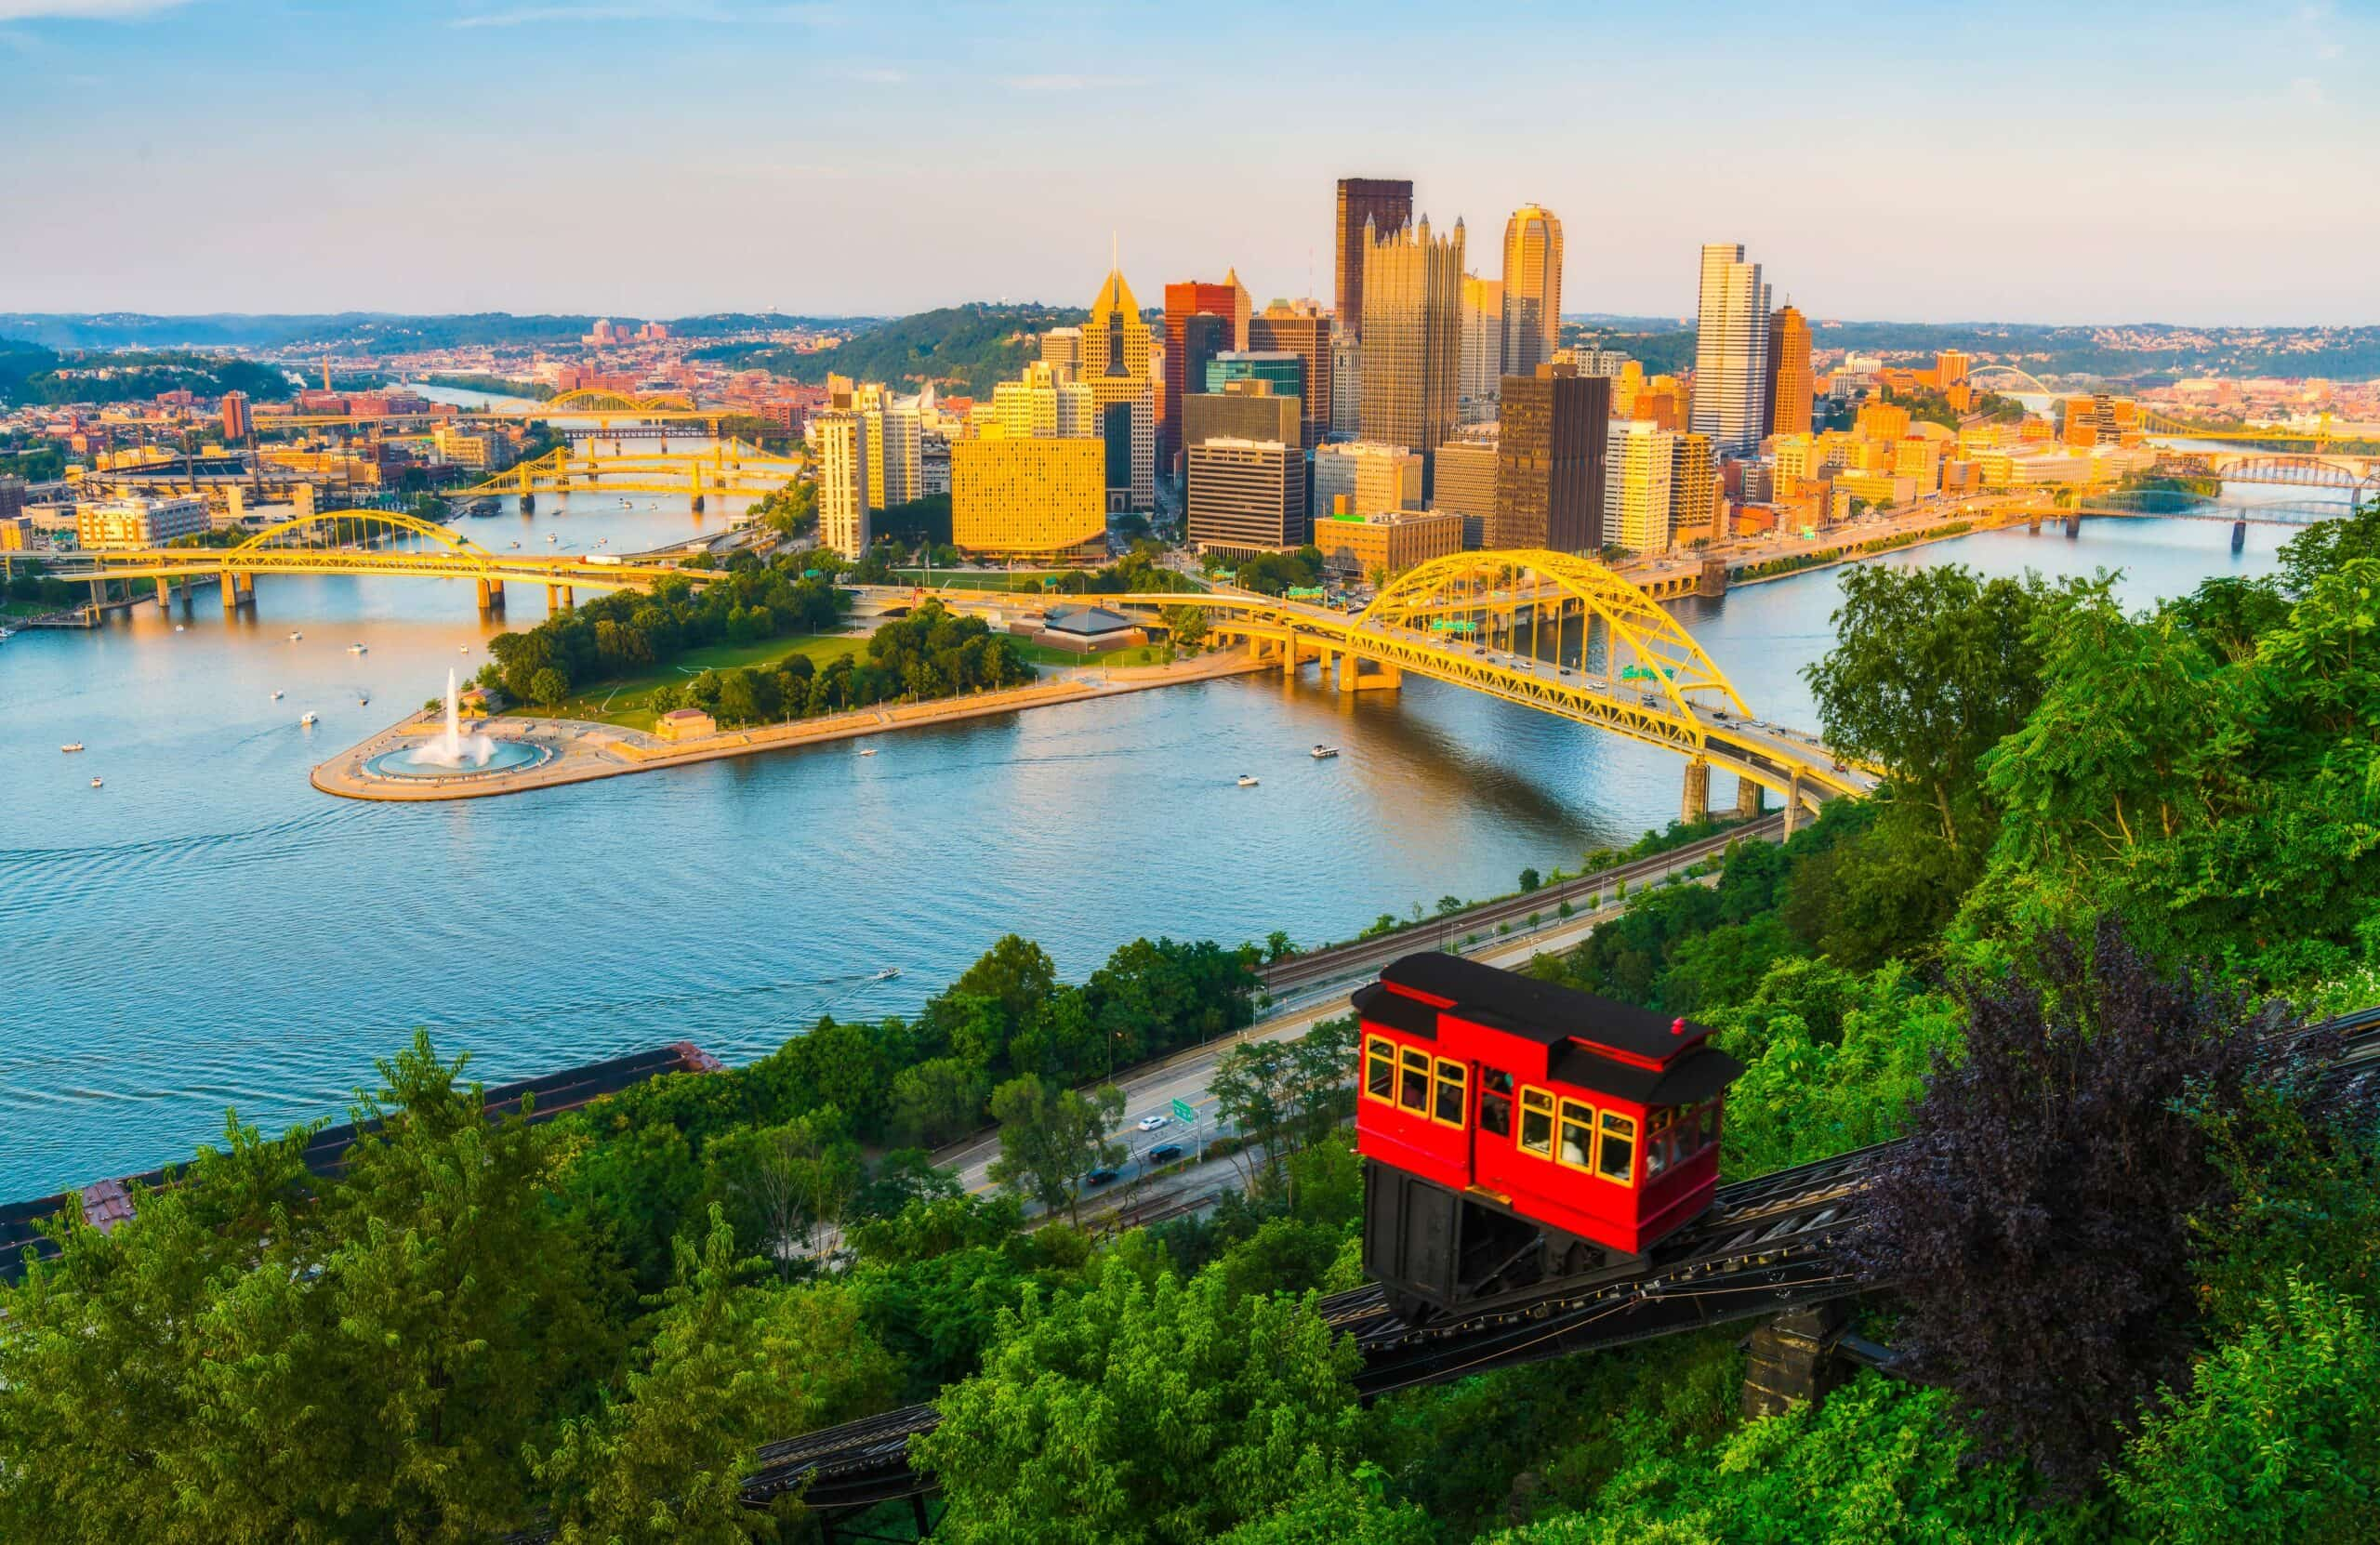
(12,610)
(958,579)
(1042,654)
(622,702)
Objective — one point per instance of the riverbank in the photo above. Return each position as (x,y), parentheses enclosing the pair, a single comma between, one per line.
(581,750)
(1949,527)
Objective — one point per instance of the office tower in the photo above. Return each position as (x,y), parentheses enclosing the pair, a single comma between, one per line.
(1390,542)
(1463,483)
(1550,452)
(1346,385)
(843,492)
(1951,367)
(1062,347)
(1193,343)
(1115,367)
(1301,328)
(1731,351)
(1694,486)
(1532,289)
(1227,302)
(1042,404)
(1638,467)
(1483,348)
(1379,203)
(1284,371)
(1246,496)
(895,453)
(1788,396)
(238,423)
(1370,476)
(1242,410)
(1044,498)
(1412,337)
(1592,360)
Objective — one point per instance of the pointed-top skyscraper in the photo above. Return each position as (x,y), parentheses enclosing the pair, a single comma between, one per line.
(1532,288)
(1115,367)
(1412,337)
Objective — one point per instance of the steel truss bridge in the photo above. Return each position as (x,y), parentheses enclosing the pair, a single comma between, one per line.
(2356,476)
(734,467)
(365,542)
(1561,634)
(1767,1245)
(599,407)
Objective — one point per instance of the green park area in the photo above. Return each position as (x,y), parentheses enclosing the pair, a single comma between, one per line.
(1139,654)
(623,702)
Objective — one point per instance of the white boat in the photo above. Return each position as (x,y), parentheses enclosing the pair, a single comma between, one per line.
(359,649)
(72,745)
(276,694)
(294,636)
(1247,780)
(867,750)
(364,700)
(553,536)
(1324,753)
(96,783)
(177,628)
(307,719)
(887,974)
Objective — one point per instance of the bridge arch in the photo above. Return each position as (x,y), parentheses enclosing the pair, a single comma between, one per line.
(595,401)
(2298,470)
(411,524)
(2024,378)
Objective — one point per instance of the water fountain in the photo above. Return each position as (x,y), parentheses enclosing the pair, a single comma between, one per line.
(454,754)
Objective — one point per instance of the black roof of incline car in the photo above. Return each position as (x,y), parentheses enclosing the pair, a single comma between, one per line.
(1590,1041)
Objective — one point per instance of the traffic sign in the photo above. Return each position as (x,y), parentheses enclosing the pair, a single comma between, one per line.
(1182,1111)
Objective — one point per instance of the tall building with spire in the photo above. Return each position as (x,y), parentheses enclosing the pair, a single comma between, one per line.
(1115,367)
(1412,336)
(1790,385)
(1381,204)
(1186,366)
(1731,351)
(1532,288)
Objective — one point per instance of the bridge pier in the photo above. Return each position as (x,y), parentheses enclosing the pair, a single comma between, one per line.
(2238,536)
(1792,1361)
(2073,527)
(491,595)
(1748,800)
(1353,677)
(528,503)
(1696,805)
(164,594)
(2033,524)
(1792,800)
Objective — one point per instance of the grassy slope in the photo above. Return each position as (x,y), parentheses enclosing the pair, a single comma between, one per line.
(622,702)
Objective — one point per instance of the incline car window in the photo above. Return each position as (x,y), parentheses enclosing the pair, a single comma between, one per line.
(1415,1093)
(1537,1122)
(1578,1133)
(1452,1079)
(1618,1160)
(1495,1102)
(1380,1071)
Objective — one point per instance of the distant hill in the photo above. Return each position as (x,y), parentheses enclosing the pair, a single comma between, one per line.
(363,329)
(29,374)
(968,347)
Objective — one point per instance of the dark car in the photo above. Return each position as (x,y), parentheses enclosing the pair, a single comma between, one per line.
(1101,1176)
(1165,1152)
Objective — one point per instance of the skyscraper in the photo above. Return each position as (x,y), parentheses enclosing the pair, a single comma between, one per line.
(1346,385)
(1192,344)
(1246,496)
(1115,367)
(1731,351)
(1790,380)
(1412,337)
(1638,496)
(1550,452)
(1062,347)
(843,499)
(1039,498)
(1532,288)
(238,423)
(1283,370)
(1301,328)
(1483,348)
(1383,203)
(895,451)
(1228,301)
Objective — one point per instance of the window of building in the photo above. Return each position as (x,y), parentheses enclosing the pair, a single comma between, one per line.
(1537,1122)
(1578,1133)
(1495,1102)
(1415,1095)
(1379,1069)
(1454,1084)
(1617,1160)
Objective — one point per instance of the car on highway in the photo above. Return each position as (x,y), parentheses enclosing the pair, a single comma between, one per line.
(1101,1176)
(1151,1123)
(1165,1152)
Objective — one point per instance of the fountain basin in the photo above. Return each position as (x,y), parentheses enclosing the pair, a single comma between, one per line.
(430,759)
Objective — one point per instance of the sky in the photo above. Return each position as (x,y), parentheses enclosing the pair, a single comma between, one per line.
(2087,161)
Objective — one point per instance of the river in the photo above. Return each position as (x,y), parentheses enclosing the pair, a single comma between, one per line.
(206,931)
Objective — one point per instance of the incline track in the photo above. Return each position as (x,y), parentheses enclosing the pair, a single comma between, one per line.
(1766,1245)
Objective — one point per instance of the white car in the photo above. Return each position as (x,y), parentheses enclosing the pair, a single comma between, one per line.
(1151,1123)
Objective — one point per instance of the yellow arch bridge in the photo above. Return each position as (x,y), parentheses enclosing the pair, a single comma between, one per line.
(365,542)
(732,467)
(604,408)
(1550,631)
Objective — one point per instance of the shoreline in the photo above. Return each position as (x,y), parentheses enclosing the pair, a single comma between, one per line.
(583,750)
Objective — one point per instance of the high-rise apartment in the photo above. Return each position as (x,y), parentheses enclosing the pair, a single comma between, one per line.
(1550,452)
(1062,347)
(896,453)
(1226,301)
(1042,404)
(843,492)
(1301,328)
(1482,349)
(238,423)
(1790,381)
(1638,469)
(1115,367)
(1412,337)
(1380,203)
(1246,496)
(1465,484)
(1694,486)
(1730,352)
(1044,498)
(1532,289)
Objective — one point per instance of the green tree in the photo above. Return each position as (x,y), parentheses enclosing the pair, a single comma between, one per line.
(938,1100)
(1135,1412)
(1050,1138)
(547,687)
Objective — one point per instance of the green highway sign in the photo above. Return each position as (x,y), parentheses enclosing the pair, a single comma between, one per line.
(1182,1111)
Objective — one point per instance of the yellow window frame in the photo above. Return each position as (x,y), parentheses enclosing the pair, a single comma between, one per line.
(1457,1074)
(1414,1060)
(1628,1129)
(1538,1102)
(1586,1163)
(1379,1049)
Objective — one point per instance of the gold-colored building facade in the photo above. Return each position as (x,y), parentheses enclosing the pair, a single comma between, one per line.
(1412,354)
(1115,367)
(1532,289)
(1039,497)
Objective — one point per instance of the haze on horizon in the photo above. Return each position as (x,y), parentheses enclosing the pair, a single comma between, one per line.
(2031,161)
